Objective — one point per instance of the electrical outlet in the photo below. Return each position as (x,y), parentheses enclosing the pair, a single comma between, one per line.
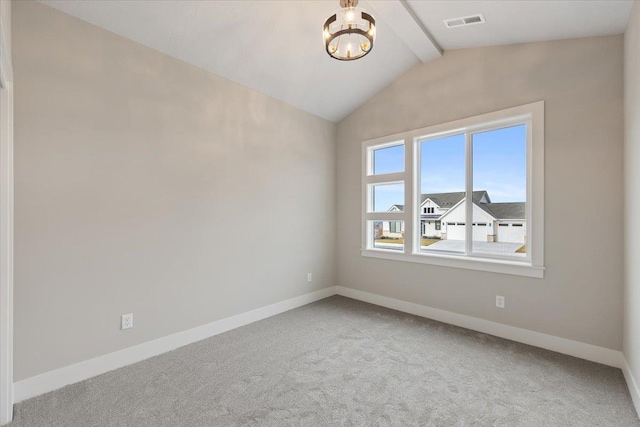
(309,277)
(127,321)
(500,300)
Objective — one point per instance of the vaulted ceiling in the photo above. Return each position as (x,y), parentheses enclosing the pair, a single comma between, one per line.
(275,47)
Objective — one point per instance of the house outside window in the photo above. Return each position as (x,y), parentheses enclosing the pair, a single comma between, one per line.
(493,221)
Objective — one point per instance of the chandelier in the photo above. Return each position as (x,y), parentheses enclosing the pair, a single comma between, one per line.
(349,33)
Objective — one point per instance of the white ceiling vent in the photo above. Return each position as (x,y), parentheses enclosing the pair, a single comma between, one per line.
(464,21)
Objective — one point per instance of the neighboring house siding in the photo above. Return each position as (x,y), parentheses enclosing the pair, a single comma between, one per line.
(431,225)
(429,207)
(456,214)
(393,229)
(430,229)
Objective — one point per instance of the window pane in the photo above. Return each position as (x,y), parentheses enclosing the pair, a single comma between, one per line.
(388,160)
(387,234)
(442,194)
(387,197)
(500,191)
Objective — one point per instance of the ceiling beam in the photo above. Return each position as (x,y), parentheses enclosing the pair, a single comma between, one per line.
(405,23)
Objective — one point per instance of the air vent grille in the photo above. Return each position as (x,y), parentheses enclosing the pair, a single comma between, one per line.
(464,21)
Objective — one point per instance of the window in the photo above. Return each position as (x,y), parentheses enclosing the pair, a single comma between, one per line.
(499,161)
(387,235)
(387,197)
(485,174)
(387,159)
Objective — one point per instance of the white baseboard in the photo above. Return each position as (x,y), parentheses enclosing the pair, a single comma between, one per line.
(59,378)
(632,384)
(578,349)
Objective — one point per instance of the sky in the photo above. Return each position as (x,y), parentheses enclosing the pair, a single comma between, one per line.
(499,166)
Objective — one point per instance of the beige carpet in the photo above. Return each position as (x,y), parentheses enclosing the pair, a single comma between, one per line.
(344,362)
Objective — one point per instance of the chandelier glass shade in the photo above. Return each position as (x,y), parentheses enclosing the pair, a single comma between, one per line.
(350,33)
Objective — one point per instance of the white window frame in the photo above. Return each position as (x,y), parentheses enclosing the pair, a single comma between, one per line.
(6,230)
(532,266)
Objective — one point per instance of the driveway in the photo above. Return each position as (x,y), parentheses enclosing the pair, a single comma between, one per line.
(493,248)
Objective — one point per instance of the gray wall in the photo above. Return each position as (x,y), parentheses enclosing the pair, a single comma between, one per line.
(5,16)
(632,191)
(580,81)
(146,185)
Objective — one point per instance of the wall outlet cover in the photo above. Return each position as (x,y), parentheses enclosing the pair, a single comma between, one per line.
(127,321)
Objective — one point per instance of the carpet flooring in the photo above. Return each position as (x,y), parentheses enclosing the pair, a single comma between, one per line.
(341,362)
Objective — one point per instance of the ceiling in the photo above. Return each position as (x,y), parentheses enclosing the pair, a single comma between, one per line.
(275,47)
(522,21)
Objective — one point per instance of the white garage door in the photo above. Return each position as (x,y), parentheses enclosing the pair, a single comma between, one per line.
(511,233)
(480,231)
(455,232)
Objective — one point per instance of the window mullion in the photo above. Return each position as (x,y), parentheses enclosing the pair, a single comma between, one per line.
(415,195)
(468,227)
(408,195)
(529,198)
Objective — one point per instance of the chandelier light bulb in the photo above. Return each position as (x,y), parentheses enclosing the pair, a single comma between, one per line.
(350,16)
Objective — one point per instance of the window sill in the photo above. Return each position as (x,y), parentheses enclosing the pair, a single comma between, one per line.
(515,268)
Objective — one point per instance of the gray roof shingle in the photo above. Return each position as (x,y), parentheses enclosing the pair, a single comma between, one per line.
(511,210)
(447,200)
